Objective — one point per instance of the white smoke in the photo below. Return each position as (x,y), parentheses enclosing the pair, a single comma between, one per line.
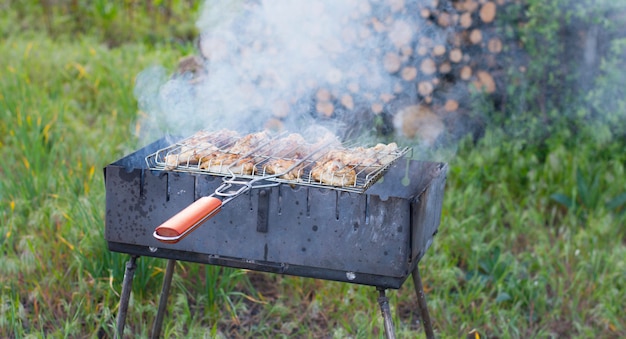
(266,60)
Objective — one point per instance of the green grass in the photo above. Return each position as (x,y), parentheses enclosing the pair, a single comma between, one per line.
(510,260)
(66,109)
(521,259)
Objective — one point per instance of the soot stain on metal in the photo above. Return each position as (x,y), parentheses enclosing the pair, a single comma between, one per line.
(142,180)
(337,205)
(366,209)
(167,191)
(280,201)
(128,175)
(308,202)
(196,185)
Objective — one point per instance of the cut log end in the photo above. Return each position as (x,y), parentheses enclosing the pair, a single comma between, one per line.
(347,101)
(466,20)
(400,33)
(428,66)
(419,121)
(484,82)
(444,19)
(445,68)
(456,55)
(439,50)
(325,108)
(465,73)
(392,62)
(494,45)
(487,12)
(387,97)
(280,109)
(408,73)
(451,105)
(425,88)
(323,94)
(377,108)
(476,36)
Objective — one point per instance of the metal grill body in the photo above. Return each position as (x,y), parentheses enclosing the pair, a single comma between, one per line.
(375,238)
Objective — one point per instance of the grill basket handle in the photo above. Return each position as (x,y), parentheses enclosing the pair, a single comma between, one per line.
(185,221)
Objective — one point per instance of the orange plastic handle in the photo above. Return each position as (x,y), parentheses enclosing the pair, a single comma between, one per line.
(178,225)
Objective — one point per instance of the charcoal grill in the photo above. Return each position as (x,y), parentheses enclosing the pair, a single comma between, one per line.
(374,237)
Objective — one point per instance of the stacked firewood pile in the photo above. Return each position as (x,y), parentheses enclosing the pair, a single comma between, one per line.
(422,61)
(470,60)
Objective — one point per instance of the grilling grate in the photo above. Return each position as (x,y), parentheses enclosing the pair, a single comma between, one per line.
(259,155)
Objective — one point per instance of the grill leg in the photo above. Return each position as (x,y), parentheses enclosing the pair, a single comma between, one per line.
(127,286)
(421,303)
(383,301)
(165,292)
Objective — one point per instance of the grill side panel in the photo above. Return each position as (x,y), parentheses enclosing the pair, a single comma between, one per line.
(426,214)
(339,231)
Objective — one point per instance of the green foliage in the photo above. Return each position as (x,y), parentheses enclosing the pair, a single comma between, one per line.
(539,86)
(563,75)
(589,195)
(112,22)
(607,99)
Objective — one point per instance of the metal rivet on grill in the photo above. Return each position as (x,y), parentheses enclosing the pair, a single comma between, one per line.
(350,275)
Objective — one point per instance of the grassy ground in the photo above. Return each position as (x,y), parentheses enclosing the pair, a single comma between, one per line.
(513,258)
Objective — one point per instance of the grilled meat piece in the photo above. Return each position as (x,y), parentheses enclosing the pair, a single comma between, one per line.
(342,167)
(372,158)
(236,159)
(278,166)
(286,153)
(195,149)
(248,143)
(227,163)
(190,155)
(384,154)
(334,169)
